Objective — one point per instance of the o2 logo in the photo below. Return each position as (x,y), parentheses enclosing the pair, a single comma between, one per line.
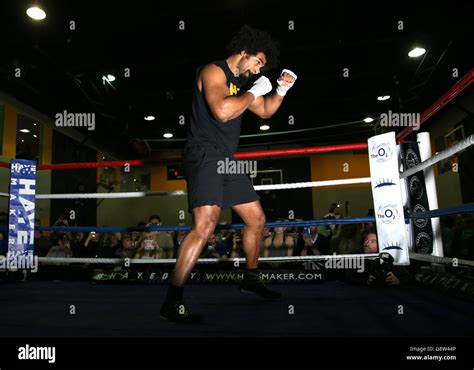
(381,152)
(388,214)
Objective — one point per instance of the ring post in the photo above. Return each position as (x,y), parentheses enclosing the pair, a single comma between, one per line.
(387,196)
(424,145)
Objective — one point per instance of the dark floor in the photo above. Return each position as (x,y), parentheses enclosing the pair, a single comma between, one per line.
(329,309)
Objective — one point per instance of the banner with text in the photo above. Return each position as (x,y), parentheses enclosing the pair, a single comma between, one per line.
(21,212)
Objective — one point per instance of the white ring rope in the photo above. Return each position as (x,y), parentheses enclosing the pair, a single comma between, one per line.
(313,184)
(458,147)
(295,185)
(436,259)
(120,261)
(462,145)
(138,194)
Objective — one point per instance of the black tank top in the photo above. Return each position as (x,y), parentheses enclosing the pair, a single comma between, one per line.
(205,130)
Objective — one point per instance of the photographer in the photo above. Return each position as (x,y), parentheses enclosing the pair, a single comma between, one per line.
(381,271)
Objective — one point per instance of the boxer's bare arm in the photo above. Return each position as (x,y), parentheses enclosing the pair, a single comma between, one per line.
(212,81)
(266,106)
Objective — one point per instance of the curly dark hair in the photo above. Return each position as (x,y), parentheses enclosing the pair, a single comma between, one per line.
(253,40)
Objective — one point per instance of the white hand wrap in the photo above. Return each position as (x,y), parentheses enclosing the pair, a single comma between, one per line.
(282,89)
(261,87)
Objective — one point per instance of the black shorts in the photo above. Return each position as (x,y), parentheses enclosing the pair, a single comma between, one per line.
(208,187)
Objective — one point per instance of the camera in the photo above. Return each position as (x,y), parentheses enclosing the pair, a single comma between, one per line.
(381,267)
(149,245)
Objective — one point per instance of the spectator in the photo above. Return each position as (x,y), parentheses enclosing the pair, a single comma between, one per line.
(77,244)
(178,238)
(237,246)
(149,249)
(346,241)
(42,243)
(135,236)
(91,245)
(311,243)
(279,244)
(61,249)
(163,238)
(126,250)
(209,250)
(109,250)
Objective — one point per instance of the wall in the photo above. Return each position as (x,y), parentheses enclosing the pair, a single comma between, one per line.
(129,212)
(336,167)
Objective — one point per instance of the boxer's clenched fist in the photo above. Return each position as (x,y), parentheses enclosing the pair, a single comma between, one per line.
(261,87)
(285,81)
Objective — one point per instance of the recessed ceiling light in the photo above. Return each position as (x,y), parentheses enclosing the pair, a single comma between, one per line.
(134,179)
(34,124)
(35,135)
(368,120)
(36,13)
(149,118)
(168,135)
(109,78)
(25,130)
(22,140)
(416,52)
(264,127)
(383,97)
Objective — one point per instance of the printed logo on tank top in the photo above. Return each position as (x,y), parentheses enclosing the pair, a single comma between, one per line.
(233,90)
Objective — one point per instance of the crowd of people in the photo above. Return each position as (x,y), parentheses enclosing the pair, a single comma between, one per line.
(457,233)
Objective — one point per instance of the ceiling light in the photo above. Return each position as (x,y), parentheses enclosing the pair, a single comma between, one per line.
(34,124)
(35,135)
(168,135)
(264,127)
(149,118)
(383,97)
(25,130)
(368,120)
(36,13)
(416,52)
(109,78)
(22,140)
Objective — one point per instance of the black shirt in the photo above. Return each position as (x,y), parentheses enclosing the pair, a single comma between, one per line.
(205,130)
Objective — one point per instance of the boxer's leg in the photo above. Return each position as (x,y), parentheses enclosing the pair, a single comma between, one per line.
(205,220)
(254,220)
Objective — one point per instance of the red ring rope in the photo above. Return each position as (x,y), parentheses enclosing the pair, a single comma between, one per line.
(427,114)
(262,153)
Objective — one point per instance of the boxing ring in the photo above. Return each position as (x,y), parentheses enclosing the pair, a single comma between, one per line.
(91,297)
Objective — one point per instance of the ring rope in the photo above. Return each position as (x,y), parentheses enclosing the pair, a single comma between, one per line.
(456,148)
(120,261)
(296,185)
(436,259)
(262,153)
